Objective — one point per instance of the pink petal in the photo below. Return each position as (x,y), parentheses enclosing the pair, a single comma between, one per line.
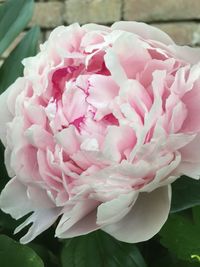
(36,114)
(116,147)
(155,111)
(112,62)
(191,101)
(164,175)
(102,91)
(50,177)
(179,114)
(134,61)
(68,138)
(137,96)
(74,104)
(39,137)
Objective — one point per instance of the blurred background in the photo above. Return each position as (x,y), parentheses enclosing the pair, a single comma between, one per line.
(179,18)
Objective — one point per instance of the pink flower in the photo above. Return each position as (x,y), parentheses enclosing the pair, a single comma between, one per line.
(103,121)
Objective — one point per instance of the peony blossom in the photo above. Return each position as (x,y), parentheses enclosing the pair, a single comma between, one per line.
(102,122)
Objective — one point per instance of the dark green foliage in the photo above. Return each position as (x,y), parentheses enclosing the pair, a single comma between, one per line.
(14,254)
(185,194)
(14,16)
(181,234)
(12,65)
(100,250)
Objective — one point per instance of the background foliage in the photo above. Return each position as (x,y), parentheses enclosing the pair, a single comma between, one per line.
(177,244)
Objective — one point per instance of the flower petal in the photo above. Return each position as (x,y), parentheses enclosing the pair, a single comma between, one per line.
(113,64)
(5,116)
(143,30)
(14,199)
(116,147)
(84,226)
(73,215)
(42,220)
(145,219)
(186,53)
(114,210)
(102,91)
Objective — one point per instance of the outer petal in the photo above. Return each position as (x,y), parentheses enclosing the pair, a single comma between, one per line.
(14,199)
(95,27)
(191,151)
(41,220)
(5,116)
(82,227)
(145,219)
(190,164)
(18,199)
(188,54)
(143,30)
(78,220)
(189,169)
(191,100)
(8,104)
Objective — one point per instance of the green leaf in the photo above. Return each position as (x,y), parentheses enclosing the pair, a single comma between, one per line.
(45,254)
(6,220)
(164,263)
(12,67)
(100,250)
(184,264)
(185,194)
(181,235)
(4,176)
(16,255)
(169,261)
(14,16)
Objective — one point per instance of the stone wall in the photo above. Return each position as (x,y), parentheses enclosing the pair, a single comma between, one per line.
(179,18)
